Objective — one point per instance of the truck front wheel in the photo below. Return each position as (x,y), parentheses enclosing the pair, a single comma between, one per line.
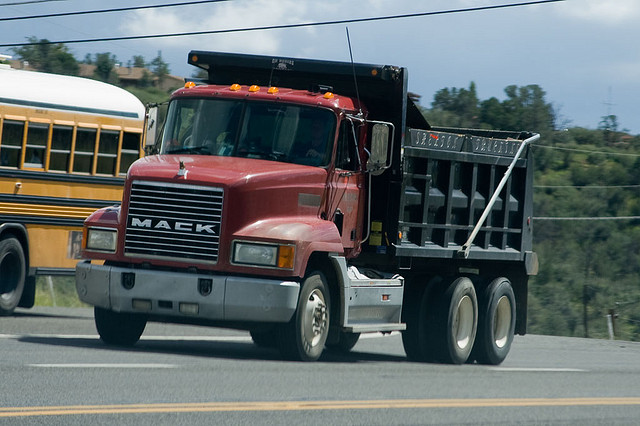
(496,322)
(13,270)
(117,328)
(304,336)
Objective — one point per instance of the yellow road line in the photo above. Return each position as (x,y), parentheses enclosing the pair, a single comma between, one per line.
(312,405)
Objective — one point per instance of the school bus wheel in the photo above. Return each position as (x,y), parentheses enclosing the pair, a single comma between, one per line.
(12,274)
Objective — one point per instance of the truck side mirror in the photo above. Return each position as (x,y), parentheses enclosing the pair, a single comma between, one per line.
(151,123)
(377,162)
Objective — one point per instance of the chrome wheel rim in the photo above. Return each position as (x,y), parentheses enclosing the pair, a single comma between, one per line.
(314,319)
(502,322)
(463,322)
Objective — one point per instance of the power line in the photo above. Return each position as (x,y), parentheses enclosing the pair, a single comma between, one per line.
(585,186)
(588,218)
(119,9)
(586,151)
(286,26)
(21,3)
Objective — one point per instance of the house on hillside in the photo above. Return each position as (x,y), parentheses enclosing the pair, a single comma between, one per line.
(128,76)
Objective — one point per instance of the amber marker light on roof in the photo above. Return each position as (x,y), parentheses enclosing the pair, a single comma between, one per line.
(234,87)
(254,88)
(328,95)
(272,90)
(189,85)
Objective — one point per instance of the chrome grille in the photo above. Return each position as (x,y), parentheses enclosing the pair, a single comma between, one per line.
(174,221)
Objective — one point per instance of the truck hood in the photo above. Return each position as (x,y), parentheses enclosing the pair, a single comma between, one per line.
(224,171)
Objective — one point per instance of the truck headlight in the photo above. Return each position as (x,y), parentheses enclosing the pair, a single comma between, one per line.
(273,255)
(102,239)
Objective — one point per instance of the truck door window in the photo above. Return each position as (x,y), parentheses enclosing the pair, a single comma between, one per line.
(346,155)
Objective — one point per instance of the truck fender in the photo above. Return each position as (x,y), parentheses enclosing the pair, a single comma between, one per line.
(105,216)
(308,234)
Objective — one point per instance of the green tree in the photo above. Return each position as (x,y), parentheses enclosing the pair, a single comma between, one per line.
(525,108)
(609,127)
(105,67)
(139,62)
(462,103)
(159,67)
(48,57)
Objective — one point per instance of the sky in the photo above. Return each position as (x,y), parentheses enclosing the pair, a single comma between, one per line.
(585,54)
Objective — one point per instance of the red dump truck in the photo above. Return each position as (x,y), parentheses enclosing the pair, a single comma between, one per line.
(310,201)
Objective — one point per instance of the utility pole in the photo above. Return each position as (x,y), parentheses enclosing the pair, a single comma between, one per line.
(585,301)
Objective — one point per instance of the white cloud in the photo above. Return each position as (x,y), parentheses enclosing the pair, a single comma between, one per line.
(246,14)
(601,11)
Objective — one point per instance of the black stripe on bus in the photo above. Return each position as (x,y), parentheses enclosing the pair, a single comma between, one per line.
(47,105)
(56,201)
(61,177)
(41,220)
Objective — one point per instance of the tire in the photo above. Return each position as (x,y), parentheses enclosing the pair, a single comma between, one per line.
(456,323)
(264,338)
(496,322)
(119,329)
(346,342)
(13,271)
(417,314)
(304,336)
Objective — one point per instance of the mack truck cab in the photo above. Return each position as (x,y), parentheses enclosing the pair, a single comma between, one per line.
(278,203)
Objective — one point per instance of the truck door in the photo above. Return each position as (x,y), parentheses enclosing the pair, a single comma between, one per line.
(347,187)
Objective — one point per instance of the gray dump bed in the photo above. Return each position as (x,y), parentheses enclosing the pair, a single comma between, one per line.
(449,178)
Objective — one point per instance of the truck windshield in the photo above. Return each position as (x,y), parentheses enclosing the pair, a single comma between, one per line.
(240,128)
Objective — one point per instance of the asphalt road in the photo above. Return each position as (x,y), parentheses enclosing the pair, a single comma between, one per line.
(55,371)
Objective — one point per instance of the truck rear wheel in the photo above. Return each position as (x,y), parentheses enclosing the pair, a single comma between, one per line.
(13,271)
(496,322)
(117,328)
(303,338)
(418,315)
(457,322)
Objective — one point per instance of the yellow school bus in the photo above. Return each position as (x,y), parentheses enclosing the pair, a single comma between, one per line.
(65,146)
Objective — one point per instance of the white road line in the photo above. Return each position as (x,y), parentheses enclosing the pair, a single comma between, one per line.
(101,365)
(168,338)
(538,370)
(162,338)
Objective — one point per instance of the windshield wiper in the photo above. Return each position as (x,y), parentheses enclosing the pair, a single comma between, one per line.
(190,150)
(278,156)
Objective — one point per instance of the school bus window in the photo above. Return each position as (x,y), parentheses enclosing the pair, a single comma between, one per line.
(130,150)
(37,134)
(60,148)
(107,152)
(11,146)
(85,146)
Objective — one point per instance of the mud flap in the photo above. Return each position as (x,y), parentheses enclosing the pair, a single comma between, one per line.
(29,293)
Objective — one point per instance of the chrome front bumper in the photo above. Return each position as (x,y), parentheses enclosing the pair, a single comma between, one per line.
(212,297)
